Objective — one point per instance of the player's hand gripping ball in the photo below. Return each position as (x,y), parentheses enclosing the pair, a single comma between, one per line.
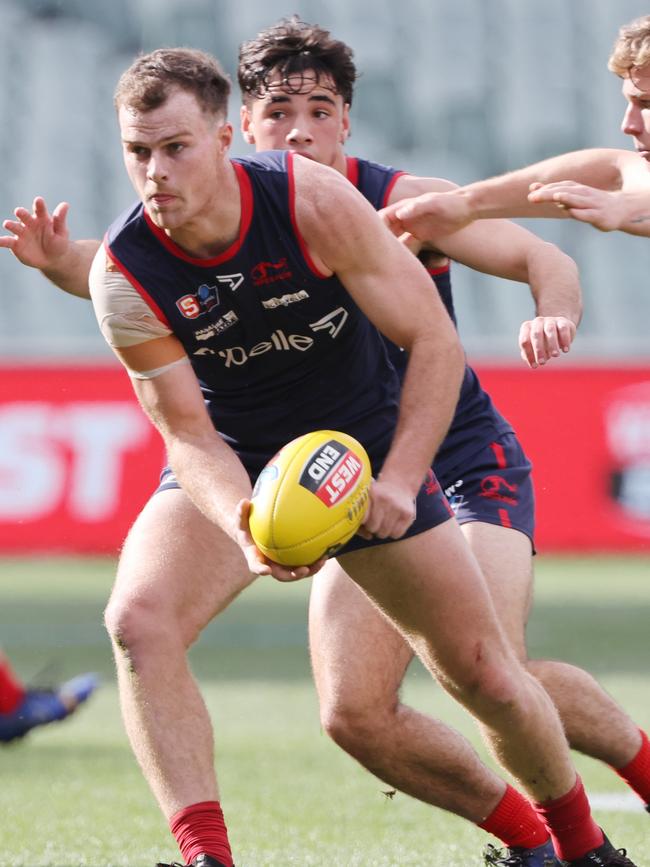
(311,498)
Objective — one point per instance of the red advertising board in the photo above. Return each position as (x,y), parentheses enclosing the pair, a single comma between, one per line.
(587,432)
(78,458)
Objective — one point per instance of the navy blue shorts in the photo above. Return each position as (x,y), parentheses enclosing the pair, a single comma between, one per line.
(431,507)
(493,486)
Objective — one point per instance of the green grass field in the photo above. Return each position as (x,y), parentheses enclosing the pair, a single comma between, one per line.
(72,795)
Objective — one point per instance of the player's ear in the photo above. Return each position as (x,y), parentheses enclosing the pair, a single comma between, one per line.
(246,125)
(345,124)
(225,134)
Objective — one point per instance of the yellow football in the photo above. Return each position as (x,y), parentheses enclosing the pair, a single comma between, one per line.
(311,498)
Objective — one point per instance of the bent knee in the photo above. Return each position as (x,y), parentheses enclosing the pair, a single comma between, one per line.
(135,623)
(487,683)
(354,728)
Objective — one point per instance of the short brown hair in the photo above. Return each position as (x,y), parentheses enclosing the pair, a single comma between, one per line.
(290,48)
(150,79)
(632,48)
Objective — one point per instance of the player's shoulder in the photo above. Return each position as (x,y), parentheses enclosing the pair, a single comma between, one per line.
(372,167)
(264,161)
(374,180)
(128,219)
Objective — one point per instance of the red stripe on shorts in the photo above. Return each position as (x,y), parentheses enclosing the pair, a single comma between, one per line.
(505,518)
(499,455)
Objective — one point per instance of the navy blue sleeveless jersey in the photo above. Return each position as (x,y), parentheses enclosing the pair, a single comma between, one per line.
(278,348)
(476,421)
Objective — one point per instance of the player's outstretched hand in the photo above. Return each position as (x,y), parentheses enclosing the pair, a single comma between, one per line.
(544,338)
(429,215)
(38,239)
(258,563)
(604,210)
(390,513)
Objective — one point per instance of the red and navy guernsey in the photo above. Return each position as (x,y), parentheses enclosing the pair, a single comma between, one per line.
(476,420)
(279,349)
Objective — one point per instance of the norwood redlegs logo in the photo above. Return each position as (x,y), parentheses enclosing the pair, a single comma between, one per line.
(270,272)
(331,472)
(496,488)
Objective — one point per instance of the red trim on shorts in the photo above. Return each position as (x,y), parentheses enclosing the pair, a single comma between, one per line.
(137,286)
(352,170)
(499,454)
(505,518)
(292,211)
(246,198)
(442,270)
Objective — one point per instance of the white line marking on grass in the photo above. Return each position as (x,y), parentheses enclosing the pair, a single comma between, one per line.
(616,802)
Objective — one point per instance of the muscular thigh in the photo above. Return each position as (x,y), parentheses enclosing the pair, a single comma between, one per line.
(358,657)
(505,558)
(432,587)
(493,500)
(178,565)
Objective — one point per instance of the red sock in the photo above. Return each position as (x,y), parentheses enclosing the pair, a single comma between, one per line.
(570,823)
(200,829)
(12,691)
(637,773)
(515,822)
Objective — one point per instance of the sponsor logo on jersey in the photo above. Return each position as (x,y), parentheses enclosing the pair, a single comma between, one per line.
(279,341)
(496,488)
(331,472)
(331,322)
(221,325)
(270,272)
(285,300)
(206,297)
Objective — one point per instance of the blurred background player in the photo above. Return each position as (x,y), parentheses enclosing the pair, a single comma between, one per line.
(606,187)
(23,708)
(297,83)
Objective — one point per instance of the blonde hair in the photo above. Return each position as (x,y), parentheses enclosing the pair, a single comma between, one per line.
(632,48)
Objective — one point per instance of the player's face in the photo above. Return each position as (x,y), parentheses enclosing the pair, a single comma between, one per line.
(636,121)
(174,156)
(307,117)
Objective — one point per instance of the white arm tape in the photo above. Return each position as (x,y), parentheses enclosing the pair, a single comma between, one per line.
(151,374)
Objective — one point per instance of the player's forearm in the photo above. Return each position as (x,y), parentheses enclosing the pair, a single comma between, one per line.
(211,474)
(636,213)
(70,271)
(554,283)
(507,195)
(207,469)
(428,401)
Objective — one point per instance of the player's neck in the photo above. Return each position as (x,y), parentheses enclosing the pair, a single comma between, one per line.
(216,228)
(341,162)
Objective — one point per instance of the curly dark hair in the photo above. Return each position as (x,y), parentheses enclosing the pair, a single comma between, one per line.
(291,48)
(147,83)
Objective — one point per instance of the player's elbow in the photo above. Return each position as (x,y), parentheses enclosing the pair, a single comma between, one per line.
(442,350)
